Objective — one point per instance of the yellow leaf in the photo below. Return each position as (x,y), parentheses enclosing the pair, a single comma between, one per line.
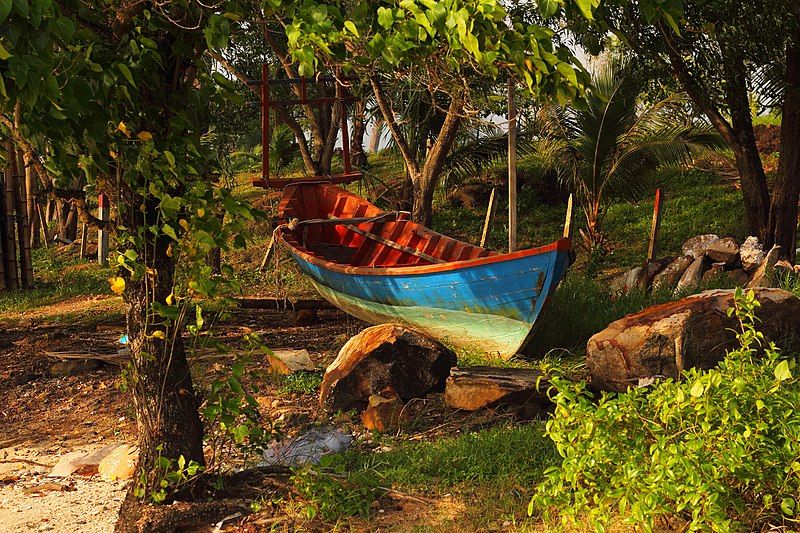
(184,224)
(124,129)
(144,135)
(201,212)
(117,285)
(113,154)
(170,298)
(169,250)
(158,334)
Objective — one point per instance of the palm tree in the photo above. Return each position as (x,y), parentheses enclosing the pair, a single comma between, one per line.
(613,145)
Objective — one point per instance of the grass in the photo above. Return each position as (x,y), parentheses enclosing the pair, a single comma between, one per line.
(488,475)
(57,278)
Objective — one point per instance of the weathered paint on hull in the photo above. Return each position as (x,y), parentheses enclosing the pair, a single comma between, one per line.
(489,307)
(492,334)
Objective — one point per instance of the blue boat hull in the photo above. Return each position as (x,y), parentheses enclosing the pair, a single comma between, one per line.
(489,306)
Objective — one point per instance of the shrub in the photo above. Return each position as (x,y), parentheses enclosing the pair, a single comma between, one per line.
(720,448)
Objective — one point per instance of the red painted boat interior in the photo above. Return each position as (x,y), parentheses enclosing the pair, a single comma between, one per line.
(338,244)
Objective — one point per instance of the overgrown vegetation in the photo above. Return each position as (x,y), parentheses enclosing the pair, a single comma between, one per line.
(718,448)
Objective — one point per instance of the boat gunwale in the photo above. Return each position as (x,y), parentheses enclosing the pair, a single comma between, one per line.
(561,245)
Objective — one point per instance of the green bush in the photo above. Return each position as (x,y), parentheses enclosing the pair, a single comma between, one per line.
(720,448)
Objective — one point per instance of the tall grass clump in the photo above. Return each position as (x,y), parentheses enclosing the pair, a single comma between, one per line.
(719,449)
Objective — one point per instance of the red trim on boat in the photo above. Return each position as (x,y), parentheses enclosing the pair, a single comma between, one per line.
(561,245)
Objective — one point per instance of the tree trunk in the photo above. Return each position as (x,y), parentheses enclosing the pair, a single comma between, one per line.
(748,161)
(786,190)
(167,408)
(424,187)
(358,158)
(375,138)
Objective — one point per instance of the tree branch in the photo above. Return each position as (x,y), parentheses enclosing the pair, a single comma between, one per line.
(444,141)
(391,123)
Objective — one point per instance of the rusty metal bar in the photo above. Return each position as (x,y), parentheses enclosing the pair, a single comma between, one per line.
(264,122)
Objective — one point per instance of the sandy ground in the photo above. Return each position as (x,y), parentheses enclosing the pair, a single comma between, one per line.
(37,502)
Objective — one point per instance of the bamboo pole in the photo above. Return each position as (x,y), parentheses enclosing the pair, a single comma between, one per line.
(487,222)
(43,224)
(568,219)
(23,225)
(102,235)
(31,189)
(652,248)
(84,239)
(12,280)
(512,168)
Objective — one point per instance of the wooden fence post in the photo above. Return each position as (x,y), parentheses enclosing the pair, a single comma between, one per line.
(512,168)
(102,234)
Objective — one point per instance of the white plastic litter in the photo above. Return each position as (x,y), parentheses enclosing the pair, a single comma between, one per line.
(307,447)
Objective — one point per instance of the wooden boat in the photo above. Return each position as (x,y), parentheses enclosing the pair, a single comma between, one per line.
(382,267)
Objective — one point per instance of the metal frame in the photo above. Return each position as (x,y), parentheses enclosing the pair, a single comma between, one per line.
(340,98)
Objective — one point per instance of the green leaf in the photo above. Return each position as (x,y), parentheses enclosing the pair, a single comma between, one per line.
(170,158)
(697,389)
(122,67)
(5,9)
(348,24)
(22,8)
(566,70)
(385,17)
(169,231)
(63,28)
(586,7)
(548,8)
(782,372)
(4,54)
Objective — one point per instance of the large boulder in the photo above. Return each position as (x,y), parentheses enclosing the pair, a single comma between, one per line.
(388,360)
(765,274)
(664,340)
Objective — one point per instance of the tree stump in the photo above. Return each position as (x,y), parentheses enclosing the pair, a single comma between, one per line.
(381,358)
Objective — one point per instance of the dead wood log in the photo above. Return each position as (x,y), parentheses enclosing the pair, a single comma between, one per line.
(477,387)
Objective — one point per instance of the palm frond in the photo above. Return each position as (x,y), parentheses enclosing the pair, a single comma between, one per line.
(472,158)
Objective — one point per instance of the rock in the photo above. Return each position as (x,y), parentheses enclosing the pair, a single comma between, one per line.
(739,277)
(120,463)
(80,462)
(384,357)
(626,282)
(664,340)
(752,254)
(715,271)
(693,275)
(725,250)
(669,277)
(73,367)
(476,387)
(48,486)
(697,246)
(383,413)
(289,361)
(763,276)
(651,269)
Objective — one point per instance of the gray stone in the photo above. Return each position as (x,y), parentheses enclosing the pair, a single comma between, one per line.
(697,246)
(725,250)
(693,275)
(764,276)
(752,254)
(669,277)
